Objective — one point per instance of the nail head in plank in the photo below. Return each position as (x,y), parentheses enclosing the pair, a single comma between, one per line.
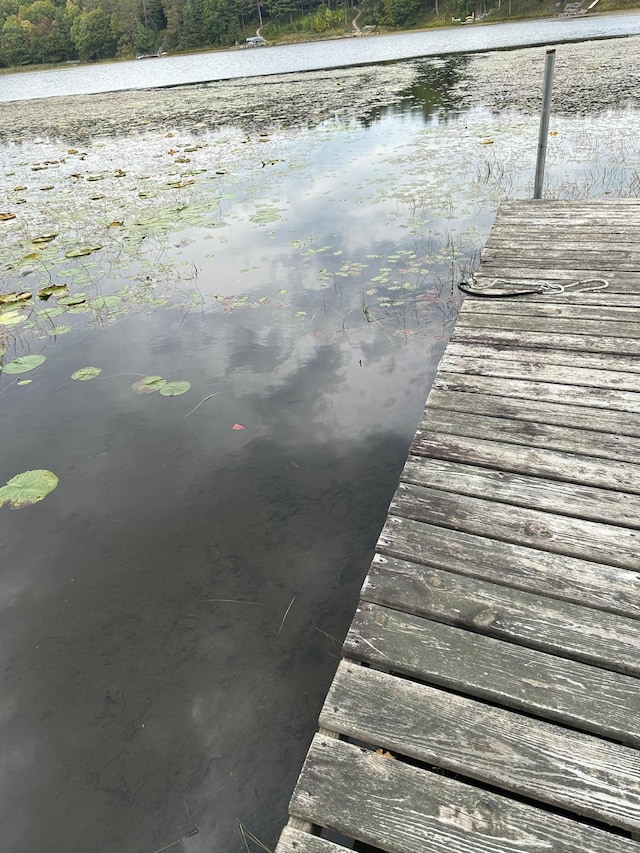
(294,841)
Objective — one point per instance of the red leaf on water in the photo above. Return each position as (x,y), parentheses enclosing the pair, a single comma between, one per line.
(237,426)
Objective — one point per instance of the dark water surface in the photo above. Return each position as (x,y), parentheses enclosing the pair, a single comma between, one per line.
(337,53)
(173,612)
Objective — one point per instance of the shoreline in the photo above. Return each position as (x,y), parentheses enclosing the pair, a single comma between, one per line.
(591,76)
(36,69)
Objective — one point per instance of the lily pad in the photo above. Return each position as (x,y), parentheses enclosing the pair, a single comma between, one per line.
(81,251)
(110,301)
(28,488)
(10,298)
(149,384)
(265,215)
(24,364)
(50,290)
(44,238)
(175,389)
(12,318)
(24,381)
(72,300)
(86,373)
(5,217)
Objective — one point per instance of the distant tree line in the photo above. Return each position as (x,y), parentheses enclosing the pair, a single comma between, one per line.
(57,31)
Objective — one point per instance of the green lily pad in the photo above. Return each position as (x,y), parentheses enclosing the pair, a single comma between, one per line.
(72,300)
(58,330)
(24,364)
(24,381)
(12,318)
(149,384)
(12,298)
(28,488)
(50,290)
(111,301)
(265,215)
(44,238)
(175,389)
(81,251)
(86,373)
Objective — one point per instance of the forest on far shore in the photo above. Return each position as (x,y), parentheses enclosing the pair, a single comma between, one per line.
(62,31)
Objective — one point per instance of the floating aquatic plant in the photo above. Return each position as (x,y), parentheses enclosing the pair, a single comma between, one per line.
(24,363)
(86,373)
(28,488)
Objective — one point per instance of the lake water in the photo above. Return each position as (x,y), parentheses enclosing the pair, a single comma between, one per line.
(173,612)
(225,65)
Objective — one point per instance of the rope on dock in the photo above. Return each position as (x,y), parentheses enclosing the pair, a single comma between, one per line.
(472,287)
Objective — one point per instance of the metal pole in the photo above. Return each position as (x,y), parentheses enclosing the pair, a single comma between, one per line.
(544,122)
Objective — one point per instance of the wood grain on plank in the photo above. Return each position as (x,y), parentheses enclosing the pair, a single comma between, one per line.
(347,787)
(543,685)
(535,621)
(550,308)
(538,370)
(536,462)
(624,260)
(544,762)
(575,537)
(559,325)
(566,358)
(547,340)
(553,575)
(606,505)
(551,392)
(532,433)
(534,411)
(294,841)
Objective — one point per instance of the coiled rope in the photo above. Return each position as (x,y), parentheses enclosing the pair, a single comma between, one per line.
(491,290)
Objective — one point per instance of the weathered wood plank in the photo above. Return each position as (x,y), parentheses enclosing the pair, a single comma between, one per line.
(551,308)
(294,841)
(548,495)
(531,433)
(553,575)
(588,540)
(580,258)
(508,234)
(535,621)
(536,462)
(562,325)
(538,760)
(543,685)
(546,340)
(549,392)
(566,358)
(537,369)
(627,424)
(347,787)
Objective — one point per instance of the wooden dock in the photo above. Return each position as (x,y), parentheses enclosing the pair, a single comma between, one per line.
(488,700)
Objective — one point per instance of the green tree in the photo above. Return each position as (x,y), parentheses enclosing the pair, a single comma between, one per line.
(92,35)
(220,21)
(16,41)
